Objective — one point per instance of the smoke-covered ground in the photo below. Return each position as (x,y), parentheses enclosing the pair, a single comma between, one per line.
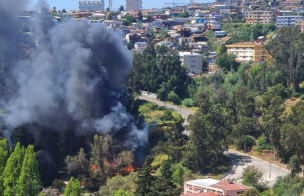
(71,81)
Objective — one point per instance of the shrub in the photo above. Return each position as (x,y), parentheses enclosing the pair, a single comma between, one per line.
(144,110)
(302,96)
(188,102)
(174,98)
(263,144)
(167,115)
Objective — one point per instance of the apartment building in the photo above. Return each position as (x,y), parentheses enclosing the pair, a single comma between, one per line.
(215,25)
(192,60)
(91,5)
(133,5)
(246,51)
(258,16)
(185,40)
(288,20)
(140,46)
(216,187)
(168,44)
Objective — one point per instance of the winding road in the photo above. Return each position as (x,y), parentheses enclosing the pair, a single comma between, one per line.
(239,160)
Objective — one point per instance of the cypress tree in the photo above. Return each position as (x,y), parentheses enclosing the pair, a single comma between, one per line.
(145,182)
(164,184)
(29,182)
(12,171)
(4,155)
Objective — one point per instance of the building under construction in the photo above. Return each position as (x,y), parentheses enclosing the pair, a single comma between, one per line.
(91,5)
(133,5)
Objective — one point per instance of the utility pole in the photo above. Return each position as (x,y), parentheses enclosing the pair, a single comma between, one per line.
(245,145)
(270,170)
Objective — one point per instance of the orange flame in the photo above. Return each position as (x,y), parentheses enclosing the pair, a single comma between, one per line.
(93,167)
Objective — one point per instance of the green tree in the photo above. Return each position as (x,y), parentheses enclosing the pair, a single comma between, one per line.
(58,184)
(4,155)
(184,14)
(294,165)
(12,171)
(121,8)
(78,166)
(149,18)
(29,183)
(110,15)
(177,177)
(205,64)
(164,184)
(139,15)
(73,188)
(286,48)
(123,193)
(206,143)
(97,172)
(145,181)
(251,192)
(64,11)
(251,176)
(118,182)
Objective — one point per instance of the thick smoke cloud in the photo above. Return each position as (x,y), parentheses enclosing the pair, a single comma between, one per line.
(73,80)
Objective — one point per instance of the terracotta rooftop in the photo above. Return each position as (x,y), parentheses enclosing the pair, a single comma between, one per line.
(200,194)
(224,185)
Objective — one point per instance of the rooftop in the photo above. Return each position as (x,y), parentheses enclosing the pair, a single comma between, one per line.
(203,182)
(224,185)
(192,54)
(200,194)
(248,43)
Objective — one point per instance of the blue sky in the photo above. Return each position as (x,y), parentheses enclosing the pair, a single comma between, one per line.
(73,4)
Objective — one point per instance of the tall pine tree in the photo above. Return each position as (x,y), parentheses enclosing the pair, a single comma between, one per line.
(12,170)
(4,155)
(29,182)
(164,184)
(145,182)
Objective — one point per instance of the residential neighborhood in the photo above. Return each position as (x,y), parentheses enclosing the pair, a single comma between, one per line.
(187,27)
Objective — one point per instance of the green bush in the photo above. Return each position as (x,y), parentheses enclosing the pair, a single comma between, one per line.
(144,109)
(302,96)
(188,102)
(295,94)
(263,144)
(174,98)
(167,116)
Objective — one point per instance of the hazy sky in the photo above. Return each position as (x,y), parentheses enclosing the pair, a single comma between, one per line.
(73,4)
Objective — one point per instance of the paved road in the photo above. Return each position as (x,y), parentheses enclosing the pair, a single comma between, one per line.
(239,160)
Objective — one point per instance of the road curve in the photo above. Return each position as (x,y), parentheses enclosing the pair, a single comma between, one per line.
(239,160)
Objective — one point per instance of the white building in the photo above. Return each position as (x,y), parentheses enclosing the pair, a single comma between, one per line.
(140,46)
(216,187)
(166,43)
(288,20)
(91,5)
(220,33)
(185,40)
(133,5)
(193,61)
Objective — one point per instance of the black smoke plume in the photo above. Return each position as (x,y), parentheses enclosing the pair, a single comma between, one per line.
(72,80)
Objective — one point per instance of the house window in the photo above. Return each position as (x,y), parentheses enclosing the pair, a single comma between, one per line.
(192,65)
